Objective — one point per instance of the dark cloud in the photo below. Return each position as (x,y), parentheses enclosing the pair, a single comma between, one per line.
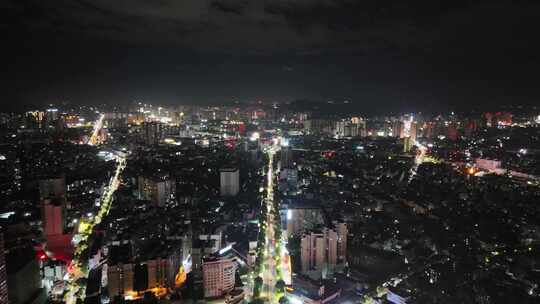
(217,24)
(427,51)
(277,24)
(230,7)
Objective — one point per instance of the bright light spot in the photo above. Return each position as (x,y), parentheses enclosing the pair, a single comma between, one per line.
(223,250)
(7,214)
(523,151)
(187,263)
(289,214)
(255,136)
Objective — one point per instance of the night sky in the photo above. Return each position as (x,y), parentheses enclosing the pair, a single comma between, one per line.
(403,55)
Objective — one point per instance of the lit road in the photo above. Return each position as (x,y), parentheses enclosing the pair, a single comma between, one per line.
(98,125)
(270,273)
(78,269)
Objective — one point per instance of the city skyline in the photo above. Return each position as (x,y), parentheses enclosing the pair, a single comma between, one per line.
(269,152)
(268,203)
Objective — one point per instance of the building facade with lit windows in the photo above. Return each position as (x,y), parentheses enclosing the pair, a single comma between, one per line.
(132,280)
(157,190)
(218,276)
(324,250)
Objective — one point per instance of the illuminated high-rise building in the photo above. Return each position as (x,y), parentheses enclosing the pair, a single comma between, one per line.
(52,114)
(397,129)
(407,144)
(34,119)
(409,133)
(353,127)
(318,126)
(218,276)
(359,127)
(152,133)
(413,132)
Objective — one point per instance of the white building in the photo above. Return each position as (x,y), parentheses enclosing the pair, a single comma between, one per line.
(229,182)
(322,251)
(313,251)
